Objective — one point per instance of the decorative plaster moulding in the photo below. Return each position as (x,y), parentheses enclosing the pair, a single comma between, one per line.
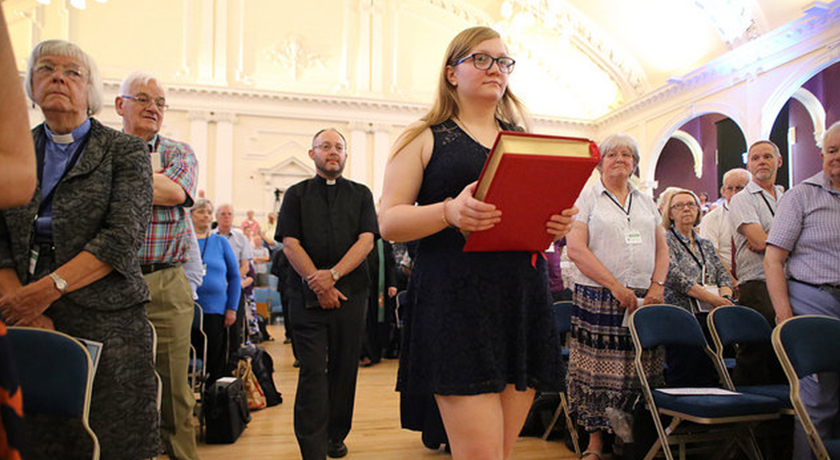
(818,29)
(273,103)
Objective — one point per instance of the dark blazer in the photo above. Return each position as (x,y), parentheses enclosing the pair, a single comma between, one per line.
(101,206)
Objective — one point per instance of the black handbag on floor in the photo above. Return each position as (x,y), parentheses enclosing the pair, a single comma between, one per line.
(225,411)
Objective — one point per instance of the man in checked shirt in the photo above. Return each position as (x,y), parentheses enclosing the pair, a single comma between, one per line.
(142,104)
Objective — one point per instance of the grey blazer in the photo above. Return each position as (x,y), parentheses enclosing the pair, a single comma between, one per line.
(101,206)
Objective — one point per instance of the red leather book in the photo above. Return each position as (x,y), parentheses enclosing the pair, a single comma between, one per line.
(529,177)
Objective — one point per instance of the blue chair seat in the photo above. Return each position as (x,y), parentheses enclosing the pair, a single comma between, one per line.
(779,392)
(715,406)
(833,447)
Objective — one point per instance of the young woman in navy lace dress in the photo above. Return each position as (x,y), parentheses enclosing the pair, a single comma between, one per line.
(481,327)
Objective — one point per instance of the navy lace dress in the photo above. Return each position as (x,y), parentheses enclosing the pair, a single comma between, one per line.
(478,321)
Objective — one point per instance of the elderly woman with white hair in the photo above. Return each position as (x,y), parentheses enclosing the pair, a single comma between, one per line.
(619,247)
(68,258)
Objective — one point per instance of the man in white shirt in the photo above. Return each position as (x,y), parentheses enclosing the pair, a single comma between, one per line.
(715,225)
(242,250)
(751,214)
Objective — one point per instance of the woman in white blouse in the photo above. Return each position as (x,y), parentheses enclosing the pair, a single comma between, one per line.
(619,247)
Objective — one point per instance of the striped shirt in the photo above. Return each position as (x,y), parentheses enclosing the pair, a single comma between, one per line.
(753,205)
(167,236)
(808,225)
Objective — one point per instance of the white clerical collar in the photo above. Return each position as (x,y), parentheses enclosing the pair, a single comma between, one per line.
(71,137)
(330,181)
(63,138)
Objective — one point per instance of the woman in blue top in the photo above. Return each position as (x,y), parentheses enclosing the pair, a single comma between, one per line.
(219,292)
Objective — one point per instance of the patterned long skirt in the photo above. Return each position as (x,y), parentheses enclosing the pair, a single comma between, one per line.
(601,371)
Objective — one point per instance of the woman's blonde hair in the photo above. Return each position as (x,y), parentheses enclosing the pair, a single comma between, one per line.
(667,222)
(509,110)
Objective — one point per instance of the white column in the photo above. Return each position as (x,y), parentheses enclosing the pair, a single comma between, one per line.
(220,43)
(363,59)
(358,152)
(206,34)
(223,192)
(198,141)
(381,150)
(377,46)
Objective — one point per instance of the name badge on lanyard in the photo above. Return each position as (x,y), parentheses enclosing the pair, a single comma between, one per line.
(33,261)
(632,236)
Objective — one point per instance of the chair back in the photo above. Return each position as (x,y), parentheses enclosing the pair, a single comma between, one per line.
(736,324)
(198,317)
(809,343)
(55,373)
(655,325)
(563,316)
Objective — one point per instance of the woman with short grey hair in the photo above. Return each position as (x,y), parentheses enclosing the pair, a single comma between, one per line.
(619,248)
(68,258)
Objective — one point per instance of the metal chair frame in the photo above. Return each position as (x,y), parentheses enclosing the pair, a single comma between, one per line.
(793,374)
(562,311)
(714,428)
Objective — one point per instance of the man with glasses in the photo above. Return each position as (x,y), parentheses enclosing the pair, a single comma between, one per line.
(327,224)
(715,225)
(142,104)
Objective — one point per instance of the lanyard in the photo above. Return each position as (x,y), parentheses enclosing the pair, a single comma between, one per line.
(691,253)
(204,247)
(772,213)
(629,204)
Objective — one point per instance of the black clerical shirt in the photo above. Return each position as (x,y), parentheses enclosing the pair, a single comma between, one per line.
(327,220)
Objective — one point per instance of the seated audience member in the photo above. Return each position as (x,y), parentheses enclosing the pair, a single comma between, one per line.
(86,226)
(696,281)
(805,235)
(715,225)
(220,289)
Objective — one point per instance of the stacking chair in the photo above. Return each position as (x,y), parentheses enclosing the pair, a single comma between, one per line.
(736,325)
(563,323)
(808,345)
(709,416)
(55,373)
(154,360)
(198,357)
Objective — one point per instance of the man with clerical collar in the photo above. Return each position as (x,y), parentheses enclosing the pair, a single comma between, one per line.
(715,225)
(751,214)
(327,225)
(142,104)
